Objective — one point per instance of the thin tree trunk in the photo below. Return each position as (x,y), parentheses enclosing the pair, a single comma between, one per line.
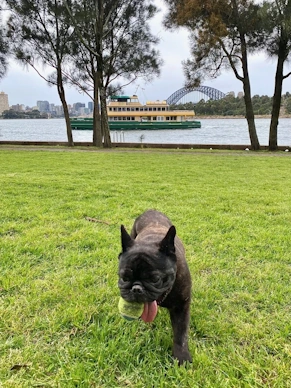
(250,117)
(61,92)
(97,132)
(273,134)
(104,118)
(103,104)
(248,99)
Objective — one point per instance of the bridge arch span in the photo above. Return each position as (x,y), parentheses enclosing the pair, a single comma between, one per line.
(212,93)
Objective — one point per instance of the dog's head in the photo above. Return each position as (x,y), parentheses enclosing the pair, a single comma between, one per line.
(146,270)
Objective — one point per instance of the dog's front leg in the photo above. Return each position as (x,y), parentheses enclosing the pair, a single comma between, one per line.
(180,317)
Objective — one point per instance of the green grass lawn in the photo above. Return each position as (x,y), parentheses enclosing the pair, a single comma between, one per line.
(59,322)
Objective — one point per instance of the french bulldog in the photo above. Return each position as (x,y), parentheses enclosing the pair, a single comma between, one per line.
(153,271)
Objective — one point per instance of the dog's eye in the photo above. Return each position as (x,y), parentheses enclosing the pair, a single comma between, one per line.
(156,278)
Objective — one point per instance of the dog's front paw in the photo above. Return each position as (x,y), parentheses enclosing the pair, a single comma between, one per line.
(181,354)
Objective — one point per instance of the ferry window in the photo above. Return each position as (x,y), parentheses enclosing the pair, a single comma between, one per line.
(132,119)
(123,109)
(150,109)
(128,109)
(154,118)
(119,109)
(137,109)
(163,109)
(132,109)
(154,109)
(124,118)
(110,109)
(114,109)
(167,118)
(159,109)
(141,109)
(145,109)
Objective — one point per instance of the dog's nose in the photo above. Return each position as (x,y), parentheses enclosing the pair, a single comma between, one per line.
(137,289)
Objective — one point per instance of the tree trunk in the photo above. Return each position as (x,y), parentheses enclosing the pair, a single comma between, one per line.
(104,118)
(97,132)
(248,98)
(103,104)
(273,134)
(61,92)
(250,116)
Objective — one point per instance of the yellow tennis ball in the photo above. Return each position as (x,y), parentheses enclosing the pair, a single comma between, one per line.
(130,310)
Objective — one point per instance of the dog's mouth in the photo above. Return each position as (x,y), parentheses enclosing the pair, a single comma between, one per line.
(150,310)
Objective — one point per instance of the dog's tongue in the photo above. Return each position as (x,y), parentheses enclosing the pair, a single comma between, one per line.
(149,311)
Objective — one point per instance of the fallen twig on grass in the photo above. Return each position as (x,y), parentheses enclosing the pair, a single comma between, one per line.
(91,219)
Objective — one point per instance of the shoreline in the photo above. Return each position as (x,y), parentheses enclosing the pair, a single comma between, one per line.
(199,117)
(170,146)
(285,116)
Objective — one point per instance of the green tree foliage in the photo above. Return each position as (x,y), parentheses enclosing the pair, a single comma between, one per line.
(234,106)
(288,105)
(41,33)
(13,114)
(222,34)
(4,50)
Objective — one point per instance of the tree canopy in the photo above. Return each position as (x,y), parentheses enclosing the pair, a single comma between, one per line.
(4,50)
(41,33)
(114,45)
(94,44)
(222,35)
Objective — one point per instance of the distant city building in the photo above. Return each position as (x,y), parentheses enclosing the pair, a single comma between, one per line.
(43,106)
(18,107)
(77,109)
(232,94)
(90,106)
(240,94)
(59,110)
(4,104)
(78,105)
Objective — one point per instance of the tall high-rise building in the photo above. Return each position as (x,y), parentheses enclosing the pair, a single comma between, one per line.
(78,105)
(4,105)
(43,106)
(90,106)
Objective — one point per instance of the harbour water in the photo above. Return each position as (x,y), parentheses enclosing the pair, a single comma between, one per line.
(212,131)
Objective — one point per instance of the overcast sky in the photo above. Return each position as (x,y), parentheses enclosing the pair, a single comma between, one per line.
(24,86)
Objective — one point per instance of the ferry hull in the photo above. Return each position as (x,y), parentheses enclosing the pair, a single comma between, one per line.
(87,124)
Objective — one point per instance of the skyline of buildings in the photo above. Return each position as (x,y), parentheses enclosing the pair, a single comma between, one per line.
(53,110)
(44,106)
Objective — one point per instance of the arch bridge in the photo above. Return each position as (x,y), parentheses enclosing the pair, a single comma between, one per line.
(212,93)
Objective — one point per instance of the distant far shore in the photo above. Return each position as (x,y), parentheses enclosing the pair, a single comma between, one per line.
(199,117)
(285,116)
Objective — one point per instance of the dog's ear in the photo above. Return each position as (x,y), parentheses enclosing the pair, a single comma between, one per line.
(167,245)
(126,240)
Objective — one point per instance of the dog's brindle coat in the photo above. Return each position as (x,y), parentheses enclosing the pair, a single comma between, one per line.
(153,251)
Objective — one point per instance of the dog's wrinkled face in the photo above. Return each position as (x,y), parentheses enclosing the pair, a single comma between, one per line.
(146,271)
